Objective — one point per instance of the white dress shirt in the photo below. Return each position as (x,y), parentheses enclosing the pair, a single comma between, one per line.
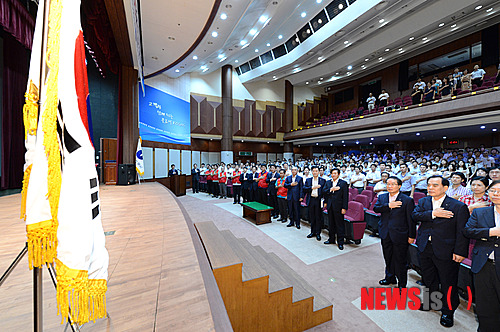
(314,182)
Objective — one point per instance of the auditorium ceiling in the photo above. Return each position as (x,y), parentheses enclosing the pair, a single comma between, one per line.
(365,34)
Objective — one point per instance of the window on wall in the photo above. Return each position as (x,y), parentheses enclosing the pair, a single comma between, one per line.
(457,58)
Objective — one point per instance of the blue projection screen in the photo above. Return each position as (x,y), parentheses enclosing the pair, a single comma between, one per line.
(163,117)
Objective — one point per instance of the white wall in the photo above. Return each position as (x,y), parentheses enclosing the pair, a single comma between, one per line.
(210,84)
(178,87)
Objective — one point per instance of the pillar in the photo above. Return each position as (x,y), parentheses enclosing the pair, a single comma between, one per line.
(227,114)
(288,147)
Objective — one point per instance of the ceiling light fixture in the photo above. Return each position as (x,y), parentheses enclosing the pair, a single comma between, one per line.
(482,127)
(341,6)
(387,50)
(203,67)
(195,57)
(400,49)
(411,38)
(367,59)
(263,19)
(444,137)
(268,44)
(494,129)
(425,38)
(307,83)
(177,70)
(253,31)
(214,34)
(235,61)
(243,42)
(274,77)
(319,1)
(441,25)
(454,26)
(349,67)
(489,10)
(303,14)
(478,7)
(223,16)
(418,134)
(372,139)
(256,50)
(381,21)
(342,141)
(387,140)
(346,42)
(280,37)
(220,56)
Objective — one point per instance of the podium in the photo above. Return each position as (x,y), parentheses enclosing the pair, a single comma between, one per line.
(178,184)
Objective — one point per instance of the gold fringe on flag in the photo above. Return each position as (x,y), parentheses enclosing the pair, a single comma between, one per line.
(49,122)
(42,243)
(97,295)
(24,192)
(72,290)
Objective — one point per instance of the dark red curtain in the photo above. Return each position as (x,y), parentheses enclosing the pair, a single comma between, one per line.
(15,77)
(17,21)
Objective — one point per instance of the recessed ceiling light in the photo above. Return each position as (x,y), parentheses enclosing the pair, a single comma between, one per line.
(303,14)
(280,37)
(357,142)
(489,10)
(223,16)
(307,83)
(348,73)
(349,67)
(256,50)
(243,42)
(372,139)
(317,143)
(418,134)
(263,18)
(319,82)
(177,70)
(346,42)
(297,39)
(321,78)
(387,140)
(336,73)
(367,59)
(341,6)
(411,38)
(203,67)
(321,21)
(478,7)
(482,127)
(320,57)
(494,129)
(381,21)
(274,76)
(268,44)
(387,50)
(400,49)
(236,61)
(331,144)
(441,25)
(371,143)
(425,38)
(319,1)
(220,56)
(380,58)
(454,26)
(343,145)
(363,66)
(253,31)
(342,141)
(195,57)
(214,34)
(444,137)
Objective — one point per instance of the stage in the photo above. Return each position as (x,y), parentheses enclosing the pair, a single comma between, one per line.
(156,282)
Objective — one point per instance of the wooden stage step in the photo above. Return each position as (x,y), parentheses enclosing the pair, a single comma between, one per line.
(260,291)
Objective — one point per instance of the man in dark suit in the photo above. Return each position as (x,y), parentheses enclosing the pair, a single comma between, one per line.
(314,188)
(396,229)
(484,227)
(245,183)
(195,178)
(294,185)
(255,186)
(272,176)
(173,171)
(336,193)
(441,243)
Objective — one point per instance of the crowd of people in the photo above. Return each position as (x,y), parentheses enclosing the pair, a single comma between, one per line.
(461,206)
(437,87)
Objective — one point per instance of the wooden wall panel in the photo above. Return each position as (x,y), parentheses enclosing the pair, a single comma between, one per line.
(268,122)
(129,119)
(309,112)
(279,120)
(238,121)
(259,123)
(301,115)
(197,119)
(250,115)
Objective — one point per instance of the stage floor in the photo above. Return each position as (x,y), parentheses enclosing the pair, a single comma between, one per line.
(155,282)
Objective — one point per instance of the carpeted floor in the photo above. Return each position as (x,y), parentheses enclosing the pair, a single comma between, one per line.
(339,275)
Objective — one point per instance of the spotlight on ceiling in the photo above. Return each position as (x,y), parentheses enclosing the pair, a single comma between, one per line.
(214,34)
(195,57)
(223,16)
(303,14)
(482,127)
(349,67)
(263,18)
(280,37)
(253,31)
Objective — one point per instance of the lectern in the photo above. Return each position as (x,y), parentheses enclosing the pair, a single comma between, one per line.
(178,184)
